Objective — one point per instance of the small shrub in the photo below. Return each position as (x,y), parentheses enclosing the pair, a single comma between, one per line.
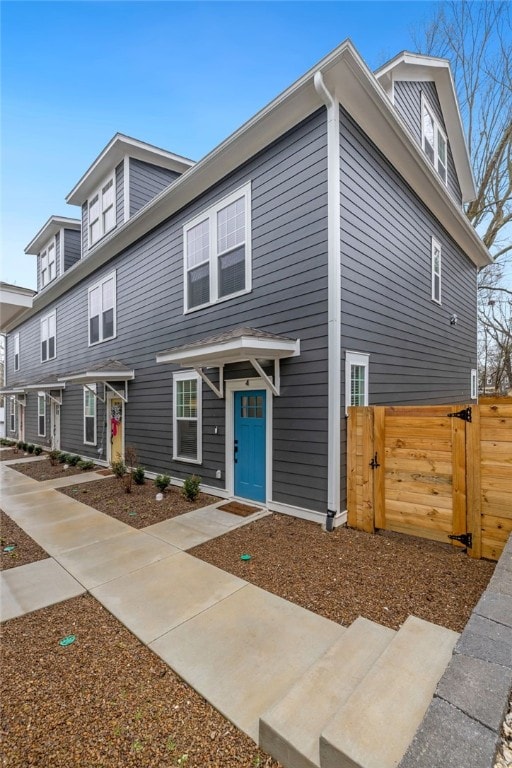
(73,459)
(139,476)
(38,450)
(30,447)
(63,457)
(85,464)
(54,457)
(118,468)
(162,482)
(191,487)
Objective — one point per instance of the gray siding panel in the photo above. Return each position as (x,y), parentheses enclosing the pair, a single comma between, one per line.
(57,254)
(408,104)
(416,356)
(72,252)
(146,181)
(85,230)
(120,194)
(289,296)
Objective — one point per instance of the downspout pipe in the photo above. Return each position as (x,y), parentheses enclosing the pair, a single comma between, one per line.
(333,299)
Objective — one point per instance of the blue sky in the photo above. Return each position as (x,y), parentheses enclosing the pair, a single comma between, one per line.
(181,75)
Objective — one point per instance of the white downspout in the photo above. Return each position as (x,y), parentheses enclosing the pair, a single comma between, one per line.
(333,298)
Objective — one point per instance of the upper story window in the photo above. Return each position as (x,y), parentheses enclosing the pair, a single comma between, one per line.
(102,310)
(433,140)
(48,269)
(356,378)
(102,211)
(49,337)
(436,271)
(217,247)
(17,352)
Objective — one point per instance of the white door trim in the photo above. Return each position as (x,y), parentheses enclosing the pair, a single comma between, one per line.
(54,425)
(112,396)
(246,385)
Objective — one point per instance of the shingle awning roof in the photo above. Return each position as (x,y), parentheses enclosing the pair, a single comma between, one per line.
(107,370)
(232,346)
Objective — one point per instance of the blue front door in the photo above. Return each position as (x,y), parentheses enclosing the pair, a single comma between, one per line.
(249,447)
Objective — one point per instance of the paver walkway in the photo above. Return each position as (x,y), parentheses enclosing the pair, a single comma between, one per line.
(237,645)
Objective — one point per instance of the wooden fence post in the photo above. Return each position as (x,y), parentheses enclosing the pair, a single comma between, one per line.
(379,415)
(473,492)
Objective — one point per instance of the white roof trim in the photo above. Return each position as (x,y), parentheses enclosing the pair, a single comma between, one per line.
(232,351)
(90,377)
(49,230)
(115,151)
(53,385)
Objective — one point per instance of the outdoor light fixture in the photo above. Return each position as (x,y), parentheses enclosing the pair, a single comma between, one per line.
(453,319)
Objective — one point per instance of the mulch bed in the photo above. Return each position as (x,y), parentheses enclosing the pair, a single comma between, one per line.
(43,470)
(10,455)
(25,549)
(105,700)
(347,573)
(138,508)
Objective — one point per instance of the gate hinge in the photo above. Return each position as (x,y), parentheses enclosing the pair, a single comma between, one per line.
(374,463)
(465,414)
(464,538)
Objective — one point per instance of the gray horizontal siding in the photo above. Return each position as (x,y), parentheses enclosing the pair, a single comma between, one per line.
(416,356)
(72,252)
(146,181)
(119,181)
(85,230)
(289,297)
(407,96)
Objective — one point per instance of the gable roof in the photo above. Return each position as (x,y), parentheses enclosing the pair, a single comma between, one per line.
(417,67)
(48,230)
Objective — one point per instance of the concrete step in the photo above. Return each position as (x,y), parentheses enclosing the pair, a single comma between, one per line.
(290,731)
(378,721)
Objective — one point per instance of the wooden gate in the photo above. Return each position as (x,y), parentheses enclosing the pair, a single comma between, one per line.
(407,472)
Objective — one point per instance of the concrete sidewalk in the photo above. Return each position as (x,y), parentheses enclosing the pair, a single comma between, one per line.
(239,646)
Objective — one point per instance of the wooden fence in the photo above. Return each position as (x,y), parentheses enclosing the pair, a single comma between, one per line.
(433,471)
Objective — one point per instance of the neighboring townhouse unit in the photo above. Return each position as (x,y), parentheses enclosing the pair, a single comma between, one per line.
(221,316)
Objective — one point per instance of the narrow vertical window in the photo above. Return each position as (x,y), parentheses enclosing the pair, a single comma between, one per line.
(474,384)
(433,140)
(48,337)
(102,314)
(107,207)
(47,262)
(102,211)
(356,378)
(198,264)
(94,219)
(436,271)
(41,415)
(187,417)
(12,414)
(17,352)
(51,262)
(90,414)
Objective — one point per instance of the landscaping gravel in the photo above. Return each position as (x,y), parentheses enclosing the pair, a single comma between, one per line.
(104,701)
(43,470)
(25,549)
(138,508)
(347,573)
(9,455)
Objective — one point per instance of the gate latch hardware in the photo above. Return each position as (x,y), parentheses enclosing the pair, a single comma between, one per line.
(374,462)
(465,414)
(464,538)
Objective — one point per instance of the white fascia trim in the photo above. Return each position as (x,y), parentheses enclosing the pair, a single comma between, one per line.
(305,514)
(334,294)
(49,229)
(126,188)
(93,376)
(232,351)
(45,387)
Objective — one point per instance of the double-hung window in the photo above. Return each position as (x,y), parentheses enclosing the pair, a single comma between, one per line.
(12,414)
(102,310)
(474,384)
(49,337)
(356,378)
(436,271)
(90,414)
(48,270)
(187,428)
(102,211)
(41,414)
(217,246)
(17,352)
(433,140)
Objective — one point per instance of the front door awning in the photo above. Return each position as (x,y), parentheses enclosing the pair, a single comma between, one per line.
(103,372)
(237,345)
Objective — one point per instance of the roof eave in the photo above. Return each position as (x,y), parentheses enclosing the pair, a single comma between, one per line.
(48,230)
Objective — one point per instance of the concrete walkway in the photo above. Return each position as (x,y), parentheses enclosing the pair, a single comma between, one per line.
(240,647)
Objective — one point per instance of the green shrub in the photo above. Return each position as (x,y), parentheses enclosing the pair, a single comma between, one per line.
(54,457)
(139,476)
(38,450)
(73,459)
(85,464)
(191,487)
(62,457)
(30,448)
(19,445)
(24,446)
(118,468)
(162,482)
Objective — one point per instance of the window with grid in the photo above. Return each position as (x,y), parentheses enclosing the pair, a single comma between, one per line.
(187,418)
(436,271)
(217,252)
(90,414)
(102,211)
(17,352)
(48,270)
(434,141)
(356,378)
(41,415)
(102,306)
(48,337)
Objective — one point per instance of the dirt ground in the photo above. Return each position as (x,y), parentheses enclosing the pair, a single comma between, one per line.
(43,470)
(25,549)
(10,454)
(138,508)
(347,573)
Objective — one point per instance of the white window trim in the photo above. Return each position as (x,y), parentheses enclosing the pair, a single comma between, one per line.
(474,384)
(44,254)
(12,414)
(91,288)
(356,358)
(436,244)
(437,130)
(41,397)
(211,214)
(43,319)
(98,191)
(92,388)
(185,376)
(17,352)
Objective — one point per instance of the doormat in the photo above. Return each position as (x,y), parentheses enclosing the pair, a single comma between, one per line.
(239,509)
